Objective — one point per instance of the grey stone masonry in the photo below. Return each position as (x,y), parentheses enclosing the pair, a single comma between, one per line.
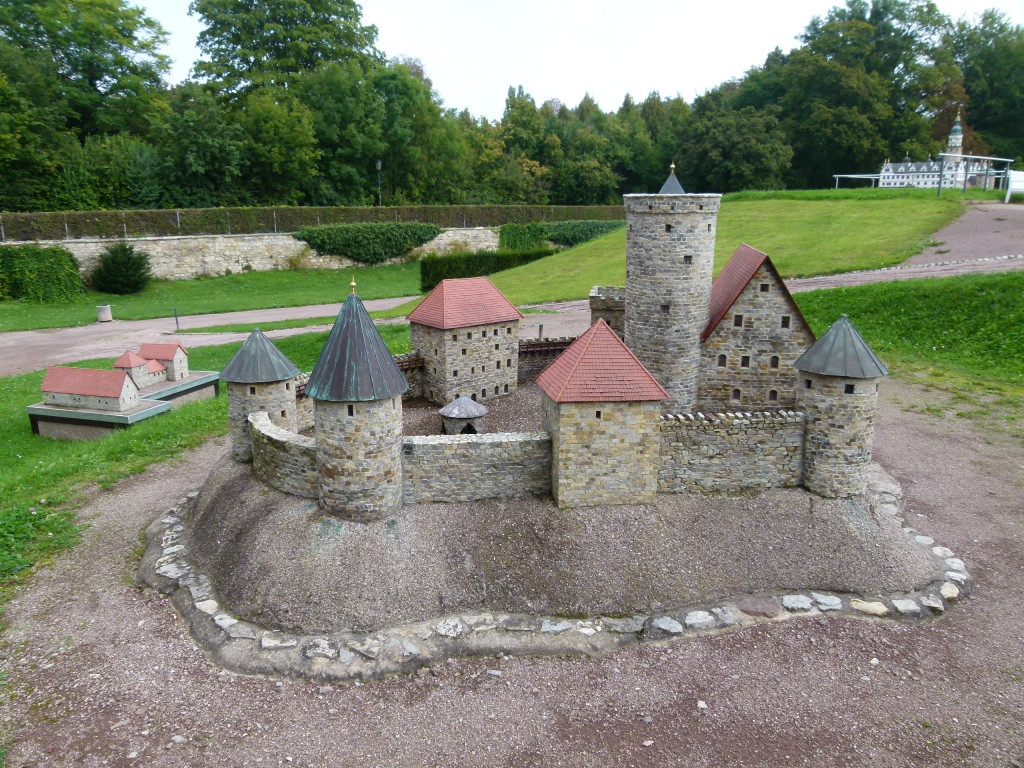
(283,459)
(478,361)
(602,453)
(727,452)
(536,354)
(276,398)
(461,240)
(670,252)
(839,432)
(411,366)
(441,468)
(608,303)
(359,457)
(747,361)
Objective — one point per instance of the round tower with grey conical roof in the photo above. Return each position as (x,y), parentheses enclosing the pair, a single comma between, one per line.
(838,391)
(260,378)
(357,391)
(670,253)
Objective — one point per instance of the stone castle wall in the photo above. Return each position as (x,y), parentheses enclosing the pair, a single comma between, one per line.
(479,361)
(727,452)
(670,253)
(283,460)
(759,353)
(189,256)
(276,398)
(440,468)
(411,366)
(608,303)
(537,354)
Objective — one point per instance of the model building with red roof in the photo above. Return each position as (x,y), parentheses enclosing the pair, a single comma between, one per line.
(467,334)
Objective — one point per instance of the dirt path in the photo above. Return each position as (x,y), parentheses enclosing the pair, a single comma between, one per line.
(101,673)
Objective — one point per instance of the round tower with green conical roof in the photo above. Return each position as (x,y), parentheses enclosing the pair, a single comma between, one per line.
(357,391)
(838,391)
(260,378)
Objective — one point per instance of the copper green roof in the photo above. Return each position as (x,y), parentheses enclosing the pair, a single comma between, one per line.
(841,351)
(355,364)
(259,361)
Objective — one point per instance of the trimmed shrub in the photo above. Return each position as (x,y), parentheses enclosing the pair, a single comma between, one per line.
(43,275)
(434,269)
(368,243)
(121,270)
(523,237)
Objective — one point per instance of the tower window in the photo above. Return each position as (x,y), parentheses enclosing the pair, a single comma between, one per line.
(735,394)
(737,321)
(288,386)
(455,337)
(665,308)
(597,414)
(351,410)
(497,347)
(495,390)
(848,389)
(469,335)
(785,321)
(252,390)
(508,330)
(473,396)
(506,389)
(722,361)
(284,414)
(495,331)
(483,393)
(497,365)
(508,363)
(774,362)
(473,369)
(764,287)
(668,227)
(773,396)
(745,361)
(808,384)
(709,227)
(463,350)
(455,373)
(687,258)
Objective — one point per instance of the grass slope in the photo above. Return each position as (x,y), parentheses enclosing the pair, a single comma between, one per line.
(803,237)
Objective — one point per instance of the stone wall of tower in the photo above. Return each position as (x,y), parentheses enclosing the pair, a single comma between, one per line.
(747,361)
(277,398)
(602,453)
(480,361)
(840,424)
(359,458)
(670,253)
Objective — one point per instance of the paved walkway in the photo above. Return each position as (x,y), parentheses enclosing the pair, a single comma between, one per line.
(988,237)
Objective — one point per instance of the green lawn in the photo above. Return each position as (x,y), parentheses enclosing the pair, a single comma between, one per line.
(251,290)
(803,237)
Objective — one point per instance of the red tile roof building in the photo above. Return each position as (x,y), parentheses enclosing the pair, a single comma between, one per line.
(89,388)
(463,302)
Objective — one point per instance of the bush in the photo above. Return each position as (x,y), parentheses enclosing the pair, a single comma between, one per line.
(524,237)
(34,273)
(121,270)
(368,243)
(434,269)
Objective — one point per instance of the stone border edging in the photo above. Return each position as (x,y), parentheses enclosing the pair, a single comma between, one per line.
(246,648)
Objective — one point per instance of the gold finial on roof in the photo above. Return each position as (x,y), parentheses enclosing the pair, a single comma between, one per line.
(352,285)
(672,168)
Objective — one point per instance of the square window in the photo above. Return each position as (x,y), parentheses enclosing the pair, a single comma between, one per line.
(463,350)
(773,395)
(284,414)
(737,321)
(668,227)
(508,330)
(455,337)
(469,335)
(745,361)
(665,309)
(495,331)
(688,258)
(735,394)
(508,363)
(848,389)
(785,321)
(497,347)
(455,373)
(808,384)
(764,287)
(597,414)
(252,390)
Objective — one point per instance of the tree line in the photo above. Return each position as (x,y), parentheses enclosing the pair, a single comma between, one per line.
(294,104)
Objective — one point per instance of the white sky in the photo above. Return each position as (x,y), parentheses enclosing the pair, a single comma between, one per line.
(473,50)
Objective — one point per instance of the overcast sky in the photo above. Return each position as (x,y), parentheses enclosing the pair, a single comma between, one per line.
(473,50)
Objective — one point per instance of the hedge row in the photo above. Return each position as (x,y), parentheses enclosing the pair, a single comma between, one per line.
(34,273)
(521,237)
(434,269)
(223,221)
(368,243)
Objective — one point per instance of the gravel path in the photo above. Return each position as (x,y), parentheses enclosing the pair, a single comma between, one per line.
(101,673)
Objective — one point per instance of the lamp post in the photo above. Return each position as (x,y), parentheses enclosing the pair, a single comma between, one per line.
(378,183)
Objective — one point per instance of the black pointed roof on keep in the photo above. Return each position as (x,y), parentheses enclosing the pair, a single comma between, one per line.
(672,185)
(259,361)
(355,364)
(841,351)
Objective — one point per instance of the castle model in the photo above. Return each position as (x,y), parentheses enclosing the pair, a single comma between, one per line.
(682,385)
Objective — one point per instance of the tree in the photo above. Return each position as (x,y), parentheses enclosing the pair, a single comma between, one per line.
(279,150)
(253,43)
(102,52)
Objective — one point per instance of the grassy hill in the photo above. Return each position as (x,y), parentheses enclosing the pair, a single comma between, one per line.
(803,237)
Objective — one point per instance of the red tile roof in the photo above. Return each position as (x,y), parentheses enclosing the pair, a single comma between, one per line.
(161,351)
(84,381)
(155,366)
(734,277)
(462,302)
(598,367)
(129,360)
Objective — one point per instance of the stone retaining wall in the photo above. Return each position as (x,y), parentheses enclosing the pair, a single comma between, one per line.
(727,452)
(442,468)
(283,459)
(461,240)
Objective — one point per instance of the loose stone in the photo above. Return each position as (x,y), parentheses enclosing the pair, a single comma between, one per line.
(872,608)
(700,620)
(935,603)
(797,603)
(827,602)
(949,591)
(907,607)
